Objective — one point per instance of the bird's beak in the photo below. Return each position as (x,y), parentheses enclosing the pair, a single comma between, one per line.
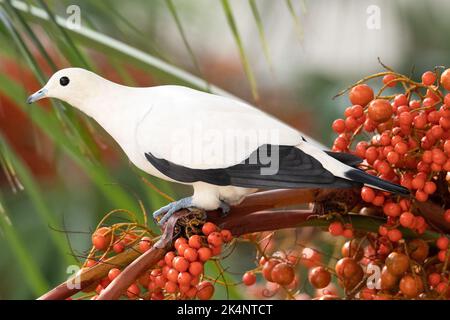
(37,96)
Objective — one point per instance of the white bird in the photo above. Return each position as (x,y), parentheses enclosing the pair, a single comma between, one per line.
(225,149)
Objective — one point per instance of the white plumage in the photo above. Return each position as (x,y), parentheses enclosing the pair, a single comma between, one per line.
(186,127)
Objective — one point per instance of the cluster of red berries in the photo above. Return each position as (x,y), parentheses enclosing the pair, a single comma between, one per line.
(180,274)
(280,270)
(410,144)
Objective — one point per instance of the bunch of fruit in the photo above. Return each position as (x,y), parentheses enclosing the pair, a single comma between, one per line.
(179,275)
(409,144)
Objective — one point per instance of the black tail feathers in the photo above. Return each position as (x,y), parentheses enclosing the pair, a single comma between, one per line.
(378,183)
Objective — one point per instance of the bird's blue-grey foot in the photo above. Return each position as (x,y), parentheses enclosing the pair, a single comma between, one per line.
(171,208)
(225,208)
(184,203)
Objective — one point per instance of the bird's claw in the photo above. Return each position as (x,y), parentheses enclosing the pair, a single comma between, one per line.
(225,208)
(168,210)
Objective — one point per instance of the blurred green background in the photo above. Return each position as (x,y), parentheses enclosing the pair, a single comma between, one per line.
(61,173)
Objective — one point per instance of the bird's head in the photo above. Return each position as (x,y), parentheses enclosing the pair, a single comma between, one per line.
(72,85)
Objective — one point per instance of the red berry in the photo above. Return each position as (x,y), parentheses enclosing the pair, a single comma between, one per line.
(401,148)
(442,255)
(428,78)
(181,248)
(421,196)
(208,228)
(113,273)
(394,235)
(434,279)
(338,125)
(204,254)
(447,215)
(215,239)
(119,247)
(179,242)
(190,254)
(195,241)
(336,228)
(400,100)
(407,219)
(101,238)
(445,79)
(180,264)
(411,286)
(205,290)
(168,258)
(380,110)
(361,94)
(388,80)
(351,123)
(145,244)
(367,194)
(172,275)
(196,268)
(392,209)
(393,157)
(319,277)
(442,243)
(184,278)
(283,274)
(357,111)
(429,187)
(226,235)
(171,287)
(133,291)
(249,278)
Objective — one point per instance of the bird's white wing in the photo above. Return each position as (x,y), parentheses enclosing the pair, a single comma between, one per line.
(203,131)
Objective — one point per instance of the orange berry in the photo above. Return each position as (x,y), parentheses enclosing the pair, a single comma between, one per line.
(336,228)
(190,254)
(204,254)
(380,110)
(195,241)
(338,125)
(445,79)
(172,275)
(168,258)
(442,243)
(196,268)
(215,239)
(205,290)
(361,94)
(428,78)
(133,291)
(249,278)
(208,228)
(145,244)
(179,242)
(171,287)
(226,235)
(180,264)
(101,238)
(184,278)
(113,273)
(388,80)
(394,235)
(392,209)
(407,219)
(429,187)
(367,194)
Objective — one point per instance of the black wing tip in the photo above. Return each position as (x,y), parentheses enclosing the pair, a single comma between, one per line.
(365,178)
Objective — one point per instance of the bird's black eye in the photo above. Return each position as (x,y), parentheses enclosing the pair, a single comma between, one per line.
(64,81)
